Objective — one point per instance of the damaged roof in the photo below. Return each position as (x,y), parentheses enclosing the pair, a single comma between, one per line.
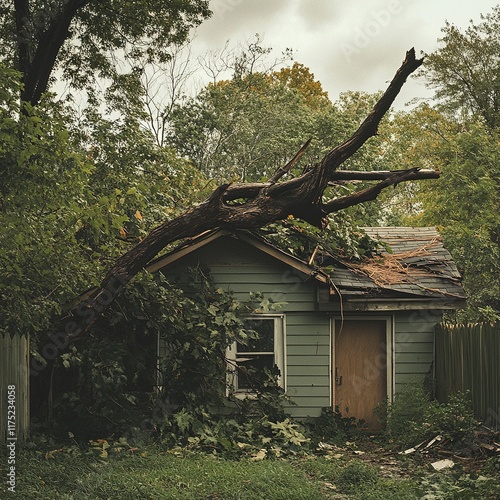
(415,268)
(416,265)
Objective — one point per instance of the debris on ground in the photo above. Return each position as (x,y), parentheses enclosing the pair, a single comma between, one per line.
(439,453)
(443,464)
(423,445)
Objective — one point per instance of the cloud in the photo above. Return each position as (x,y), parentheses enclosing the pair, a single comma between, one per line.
(347,45)
(322,14)
(240,19)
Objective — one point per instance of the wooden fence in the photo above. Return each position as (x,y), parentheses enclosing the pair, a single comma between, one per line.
(468,358)
(14,388)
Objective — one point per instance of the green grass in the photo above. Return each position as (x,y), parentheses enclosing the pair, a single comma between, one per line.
(159,476)
(357,479)
(69,473)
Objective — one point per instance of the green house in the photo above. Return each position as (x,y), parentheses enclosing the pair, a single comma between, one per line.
(350,338)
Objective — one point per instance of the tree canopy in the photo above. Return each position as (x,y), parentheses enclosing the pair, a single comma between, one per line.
(85,39)
(465,70)
(99,186)
(459,135)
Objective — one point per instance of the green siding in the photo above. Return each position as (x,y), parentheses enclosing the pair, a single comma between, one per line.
(307,350)
(307,392)
(414,346)
(313,370)
(412,357)
(242,269)
(308,380)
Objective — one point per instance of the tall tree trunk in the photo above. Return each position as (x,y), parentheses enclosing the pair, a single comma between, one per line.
(36,65)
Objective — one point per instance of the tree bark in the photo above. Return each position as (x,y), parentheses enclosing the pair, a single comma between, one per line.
(37,65)
(260,204)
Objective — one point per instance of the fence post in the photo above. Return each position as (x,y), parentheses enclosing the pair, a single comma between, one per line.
(14,387)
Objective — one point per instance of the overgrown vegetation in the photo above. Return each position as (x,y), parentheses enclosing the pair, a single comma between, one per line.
(414,417)
(125,381)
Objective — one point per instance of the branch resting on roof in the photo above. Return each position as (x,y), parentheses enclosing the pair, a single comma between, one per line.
(260,205)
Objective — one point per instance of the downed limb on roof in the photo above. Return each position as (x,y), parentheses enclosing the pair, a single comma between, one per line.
(259,204)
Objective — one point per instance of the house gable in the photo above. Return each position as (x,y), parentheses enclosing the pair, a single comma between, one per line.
(243,264)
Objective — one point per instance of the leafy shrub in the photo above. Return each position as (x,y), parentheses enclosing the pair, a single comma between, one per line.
(408,406)
(331,426)
(413,417)
(454,419)
(232,435)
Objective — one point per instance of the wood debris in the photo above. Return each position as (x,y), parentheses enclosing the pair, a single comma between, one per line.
(443,464)
(424,445)
(390,269)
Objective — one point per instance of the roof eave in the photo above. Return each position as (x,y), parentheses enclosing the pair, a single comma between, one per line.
(392,304)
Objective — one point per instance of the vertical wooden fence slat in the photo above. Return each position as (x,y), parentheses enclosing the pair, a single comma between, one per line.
(467,358)
(14,363)
(492,353)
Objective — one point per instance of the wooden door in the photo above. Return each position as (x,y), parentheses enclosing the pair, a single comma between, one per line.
(360,370)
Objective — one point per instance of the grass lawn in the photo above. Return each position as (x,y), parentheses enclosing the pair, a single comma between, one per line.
(157,475)
(69,473)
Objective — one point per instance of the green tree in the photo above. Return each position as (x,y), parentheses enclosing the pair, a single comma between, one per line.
(43,193)
(465,70)
(135,183)
(114,208)
(460,138)
(84,38)
(464,203)
(241,129)
(74,195)
(244,128)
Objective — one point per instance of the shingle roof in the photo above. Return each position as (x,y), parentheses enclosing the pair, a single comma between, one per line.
(417,265)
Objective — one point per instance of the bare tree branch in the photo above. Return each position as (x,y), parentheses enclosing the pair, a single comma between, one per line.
(370,125)
(371,193)
(378,175)
(284,170)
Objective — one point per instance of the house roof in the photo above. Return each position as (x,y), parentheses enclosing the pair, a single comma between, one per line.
(416,265)
(415,268)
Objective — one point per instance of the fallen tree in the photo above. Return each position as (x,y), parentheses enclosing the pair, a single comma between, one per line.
(255,205)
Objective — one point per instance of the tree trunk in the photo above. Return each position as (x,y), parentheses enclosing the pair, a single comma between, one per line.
(37,65)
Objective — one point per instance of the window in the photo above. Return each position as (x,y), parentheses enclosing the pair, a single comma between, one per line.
(249,362)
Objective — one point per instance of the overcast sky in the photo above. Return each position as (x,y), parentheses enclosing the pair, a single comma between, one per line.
(348,45)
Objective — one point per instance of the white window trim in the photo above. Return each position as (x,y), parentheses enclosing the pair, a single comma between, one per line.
(279,357)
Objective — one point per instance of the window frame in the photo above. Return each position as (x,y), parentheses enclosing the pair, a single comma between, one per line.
(279,342)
